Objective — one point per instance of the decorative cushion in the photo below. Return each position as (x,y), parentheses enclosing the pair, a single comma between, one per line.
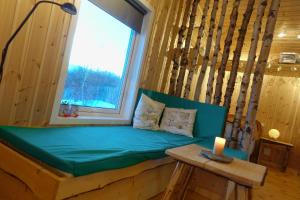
(148,113)
(178,121)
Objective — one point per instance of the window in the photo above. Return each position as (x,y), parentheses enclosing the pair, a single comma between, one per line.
(96,77)
(102,64)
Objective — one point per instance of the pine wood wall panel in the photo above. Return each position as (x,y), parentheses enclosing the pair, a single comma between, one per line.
(295,155)
(32,62)
(157,6)
(52,61)
(12,74)
(160,34)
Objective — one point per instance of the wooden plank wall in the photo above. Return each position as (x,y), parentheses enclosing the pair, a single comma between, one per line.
(34,61)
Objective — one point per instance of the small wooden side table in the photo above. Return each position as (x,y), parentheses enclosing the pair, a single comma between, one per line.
(196,177)
(274,153)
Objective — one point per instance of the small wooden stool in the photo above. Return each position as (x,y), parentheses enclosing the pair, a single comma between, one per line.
(196,177)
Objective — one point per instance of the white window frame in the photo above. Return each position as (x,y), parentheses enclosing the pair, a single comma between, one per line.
(101,116)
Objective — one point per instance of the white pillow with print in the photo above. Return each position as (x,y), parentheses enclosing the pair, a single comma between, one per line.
(178,121)
(148,113)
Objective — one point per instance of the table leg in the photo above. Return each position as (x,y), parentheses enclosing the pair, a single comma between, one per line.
(242,192)
(286,160)
(230,191)
(178,182)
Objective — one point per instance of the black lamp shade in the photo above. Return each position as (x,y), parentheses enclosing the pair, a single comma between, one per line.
(69,8)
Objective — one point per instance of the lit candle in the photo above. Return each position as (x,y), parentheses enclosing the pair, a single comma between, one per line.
(219,146)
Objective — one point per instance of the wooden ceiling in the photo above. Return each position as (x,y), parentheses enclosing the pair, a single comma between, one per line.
(288,23)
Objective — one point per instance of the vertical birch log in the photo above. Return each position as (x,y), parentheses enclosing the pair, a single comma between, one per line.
(207,50)
(154,69)
(196,51)
(184,58)
(247,73)
(216,53)
(171,46)
(258,75)
(146,71)
(177,54)
(164,46)
(226,52)
(237,53)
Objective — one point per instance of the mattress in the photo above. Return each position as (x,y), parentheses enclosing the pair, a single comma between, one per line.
(85,150)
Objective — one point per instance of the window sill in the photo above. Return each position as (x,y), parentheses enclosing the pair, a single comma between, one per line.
(90,120)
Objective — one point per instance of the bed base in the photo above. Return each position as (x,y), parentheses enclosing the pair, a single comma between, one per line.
(26,179)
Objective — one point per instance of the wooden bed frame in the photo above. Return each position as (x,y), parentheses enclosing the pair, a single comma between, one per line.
(22,177)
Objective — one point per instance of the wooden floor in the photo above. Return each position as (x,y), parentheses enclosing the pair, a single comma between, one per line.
(279,186)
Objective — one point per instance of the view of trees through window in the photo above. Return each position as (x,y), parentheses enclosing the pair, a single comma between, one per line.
(89,87)
(98,61)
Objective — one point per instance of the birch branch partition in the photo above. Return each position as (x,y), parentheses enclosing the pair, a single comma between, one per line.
(259,75)
(162,52)
(177,54)
(196,51)
(207,50)
(247,73)
(171,47)
(184,58)
(177,59)
(237,54)
(158,39)
(226,52)
(217,49)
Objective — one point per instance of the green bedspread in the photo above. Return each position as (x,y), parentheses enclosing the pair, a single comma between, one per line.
(85,150)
